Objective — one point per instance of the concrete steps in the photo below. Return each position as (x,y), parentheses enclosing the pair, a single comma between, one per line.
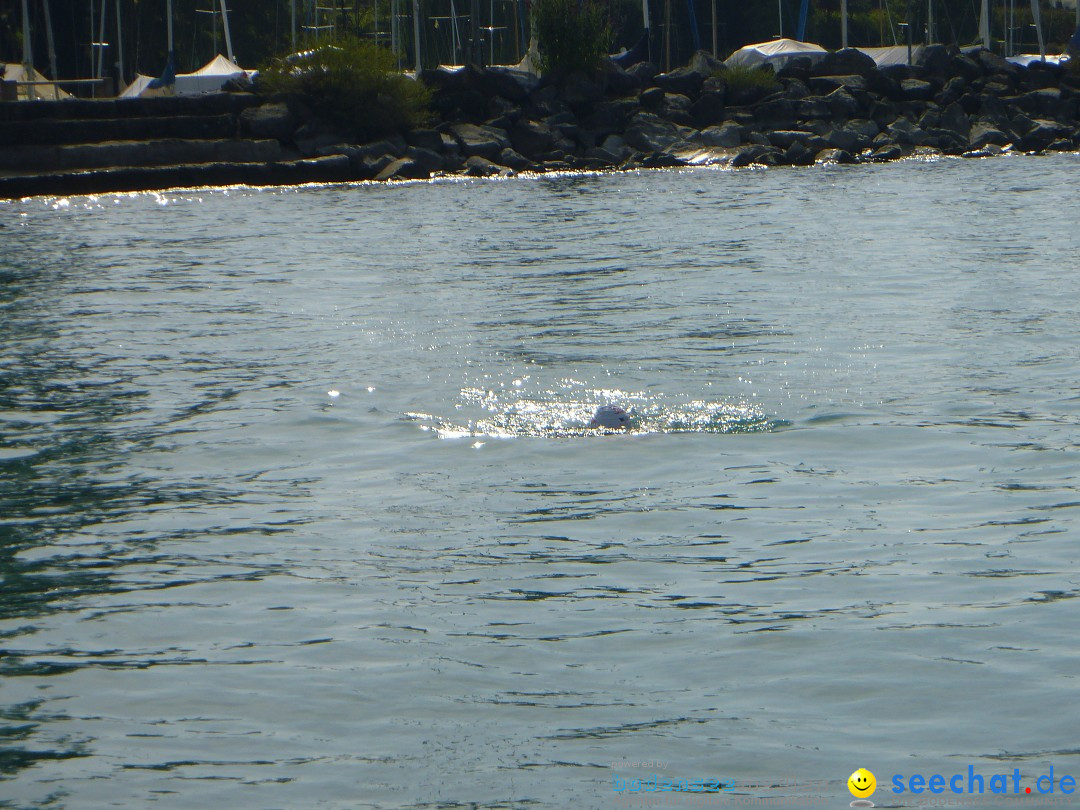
(135,154)
(60,131)
(332,169)
(83,146)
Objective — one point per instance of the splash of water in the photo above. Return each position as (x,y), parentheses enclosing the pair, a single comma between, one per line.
(565,413)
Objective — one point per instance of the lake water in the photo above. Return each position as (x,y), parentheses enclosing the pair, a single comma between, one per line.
(298,505)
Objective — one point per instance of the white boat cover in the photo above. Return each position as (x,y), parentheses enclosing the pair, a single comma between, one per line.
(14,72)
(776,53)
(893,55)
(207,79)
(1025,59)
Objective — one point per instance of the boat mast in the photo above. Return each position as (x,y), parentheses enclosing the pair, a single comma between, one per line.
(119,47)
(416,33)
(292,12)
(1037,17)
(168,19)
(228,37)
(50,41)
(27,49)
(843,23)
(100,67)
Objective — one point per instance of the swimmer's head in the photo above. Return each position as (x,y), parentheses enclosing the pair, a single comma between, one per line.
(611,417)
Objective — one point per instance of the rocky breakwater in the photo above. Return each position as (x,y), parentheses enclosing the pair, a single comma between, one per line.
(497,121)
(842,109)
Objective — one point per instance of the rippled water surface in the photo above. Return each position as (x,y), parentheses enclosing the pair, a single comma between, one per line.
(299,506)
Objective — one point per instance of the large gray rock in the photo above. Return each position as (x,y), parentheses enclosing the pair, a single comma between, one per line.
(778,113)
(425,139)
(842,103)
(429,160)
(514,85)
(580,89)
(403,169)
(708,109)
(650,133)
(889,151)
(755,153)
(476,139)
(784,138)
(369,166)
(705,63)
(934,60)
(615,146)
(848,138)
(814,107)
(532,137)
(726,136)
(619,82)
(1047,101)
(824,85)
(515,160)
(916,90)
(844,62)
(678,109)
(864,127)
(269,121)
(991,63)
(644,72)
(954,119)
(477,166)
(798,154)
(903,131)
(984,133)
(684,81)
(953,90)
(964,66)
(834,156)
(1041,134)
(611,116)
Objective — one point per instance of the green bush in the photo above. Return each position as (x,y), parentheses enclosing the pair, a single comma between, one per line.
(354,84)
(744,79)
(571,35)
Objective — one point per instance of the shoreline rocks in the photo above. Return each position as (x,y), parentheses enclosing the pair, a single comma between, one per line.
(498,122)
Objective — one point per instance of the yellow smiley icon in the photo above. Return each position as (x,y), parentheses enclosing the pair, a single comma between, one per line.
(862,783)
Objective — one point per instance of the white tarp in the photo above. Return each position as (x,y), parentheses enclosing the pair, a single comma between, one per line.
(207,79)
(30,92)
(137,87)
(1025,59)
(776,54)
(893,55)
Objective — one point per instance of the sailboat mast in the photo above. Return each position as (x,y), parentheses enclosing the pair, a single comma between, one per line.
(100,69)
(27,49)
(843,23)
(119,48)
(416,34)
(714,49)
(1037,17)
(50,41)
(228,36)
